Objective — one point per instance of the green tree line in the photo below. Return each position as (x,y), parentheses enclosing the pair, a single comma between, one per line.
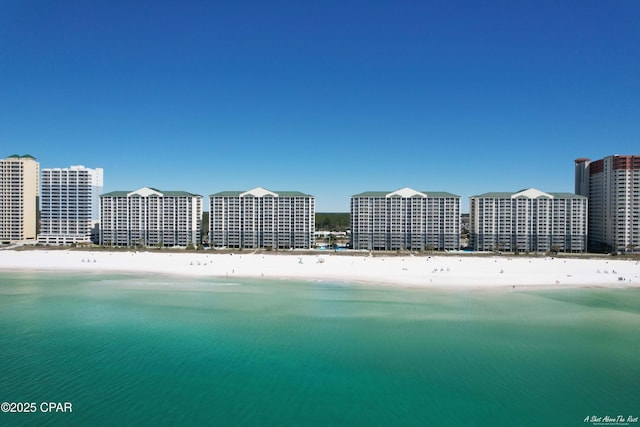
(332,221)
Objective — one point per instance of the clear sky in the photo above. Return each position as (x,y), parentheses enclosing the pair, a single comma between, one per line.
(331,98)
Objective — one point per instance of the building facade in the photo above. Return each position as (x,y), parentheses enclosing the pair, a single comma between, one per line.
(70,205)
(612,185)
(150,217)
(18,199)
(528,221)
(260,218)
(405,219)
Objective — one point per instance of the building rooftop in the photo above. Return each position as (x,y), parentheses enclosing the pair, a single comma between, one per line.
(24,156)
(260,192)
(406,192)
(530,193)
(149,192)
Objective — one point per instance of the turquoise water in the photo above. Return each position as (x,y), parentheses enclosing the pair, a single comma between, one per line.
(131,350)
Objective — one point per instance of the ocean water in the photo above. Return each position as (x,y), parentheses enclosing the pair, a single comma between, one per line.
(146,350)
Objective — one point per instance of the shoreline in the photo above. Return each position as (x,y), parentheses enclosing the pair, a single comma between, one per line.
(442,272)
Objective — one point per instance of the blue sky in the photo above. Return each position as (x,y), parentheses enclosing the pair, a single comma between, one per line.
(330,98)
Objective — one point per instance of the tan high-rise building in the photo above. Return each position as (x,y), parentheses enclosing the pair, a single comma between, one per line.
(18,198)
(612,185)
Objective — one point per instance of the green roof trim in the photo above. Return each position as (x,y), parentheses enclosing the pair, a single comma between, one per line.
(115,194)
(279,193)
(508,195)
(24,156)
(496,195)
(178,194)
(164,193)
(227,194)
(431,194)
(567,196)
(292,194)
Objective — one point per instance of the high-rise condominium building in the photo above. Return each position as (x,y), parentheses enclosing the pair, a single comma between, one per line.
(260,218)
(18,198)
(405,219)
(528,221)
(70,205)
(612,185)
(150,217)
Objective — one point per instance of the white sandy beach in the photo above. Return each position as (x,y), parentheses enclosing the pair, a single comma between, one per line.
(421,271)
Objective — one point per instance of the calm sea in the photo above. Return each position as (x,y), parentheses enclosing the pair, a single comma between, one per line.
(139,350)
